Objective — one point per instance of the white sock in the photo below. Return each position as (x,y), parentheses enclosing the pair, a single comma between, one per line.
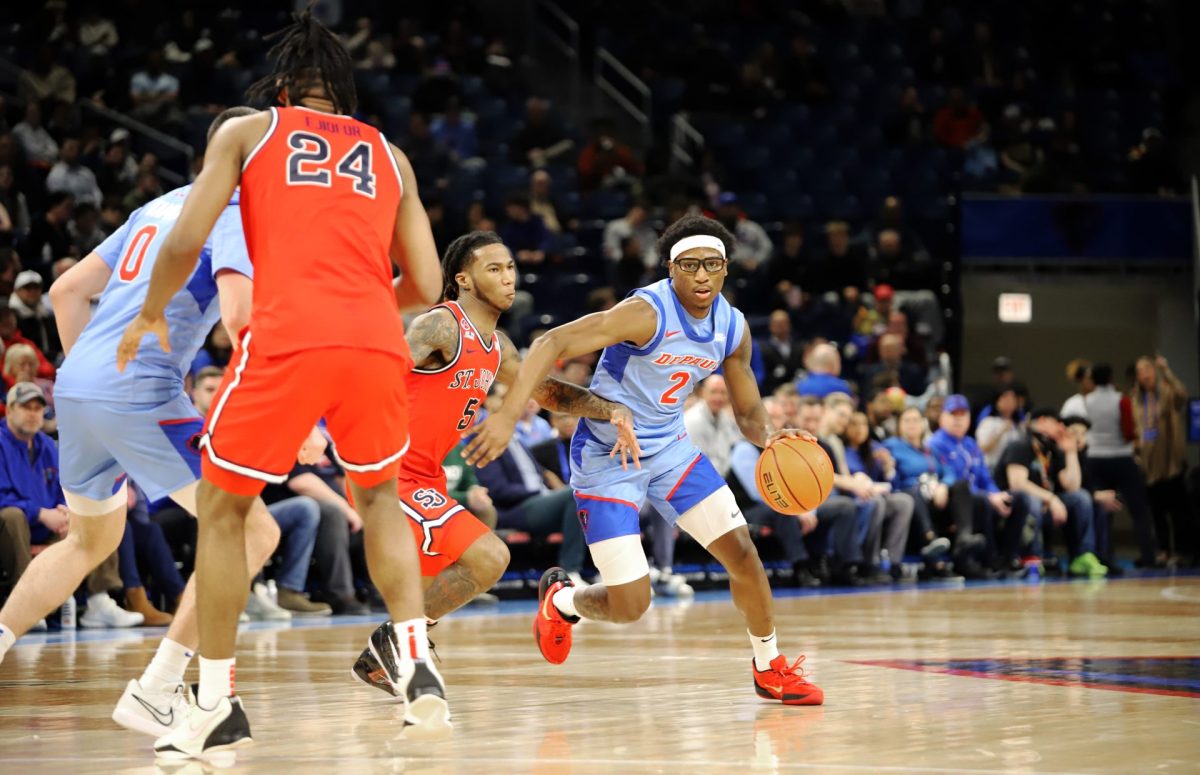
(765,648)
(7,639)
(216,681)
(411,639)
(168,666)
(564,601)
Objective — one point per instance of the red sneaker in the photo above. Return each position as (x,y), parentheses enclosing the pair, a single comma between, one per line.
(786,682)
(552,630)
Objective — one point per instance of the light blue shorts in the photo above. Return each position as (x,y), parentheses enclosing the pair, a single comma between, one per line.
(609,498)
(100,443)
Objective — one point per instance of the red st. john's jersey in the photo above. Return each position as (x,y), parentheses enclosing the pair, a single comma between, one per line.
(319,195)
(446,401)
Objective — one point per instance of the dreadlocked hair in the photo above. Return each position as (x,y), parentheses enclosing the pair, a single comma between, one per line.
(307,54)
(459,255)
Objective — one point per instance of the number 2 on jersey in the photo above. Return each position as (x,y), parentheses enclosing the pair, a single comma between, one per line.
(310,152)
(679,381)
(131,263)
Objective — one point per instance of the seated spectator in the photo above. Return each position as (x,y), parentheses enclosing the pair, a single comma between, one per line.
(1003,425)
(463,486)
(524,233)
(430,160)
(1105,503)
(880,411)
(49,239)
(539,142)
(85,231)
(148,188)
(1042,471)
(1111,460)
(841,263)
(824,364)
(832,521)
(541,202)
(897,323)
(975,504)
(782,355)
(11,335)
(788,266)
(893,510)
(911,377)
(116,171)
(299,519)
(144,548)
(752,247)
(554,453)
(711,425)
(871,319)
(916,473)
(39,147)
(47,79)
(13,201)
(895,262)
(35,319)
(456,132)
(10,267)
(532,429)
(635,223)
(605,162)
(69,175)
(20,365)
(531,499)
(155,94)
(958,121)
(215,353)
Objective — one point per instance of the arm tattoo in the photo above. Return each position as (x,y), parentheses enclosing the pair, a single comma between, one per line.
(559,396)
(451,589)
(432,339)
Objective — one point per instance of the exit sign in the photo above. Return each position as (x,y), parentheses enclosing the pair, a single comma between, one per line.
(1016,308)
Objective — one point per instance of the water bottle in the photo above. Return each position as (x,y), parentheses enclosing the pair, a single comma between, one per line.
(1035,573)
(885,562)
(67,613)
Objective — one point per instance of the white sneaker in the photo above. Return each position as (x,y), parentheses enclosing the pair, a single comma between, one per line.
(152,712)
(260,607)
(103,612)
(205,734)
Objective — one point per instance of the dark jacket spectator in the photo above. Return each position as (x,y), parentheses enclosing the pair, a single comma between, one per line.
(29,465)
(605,158)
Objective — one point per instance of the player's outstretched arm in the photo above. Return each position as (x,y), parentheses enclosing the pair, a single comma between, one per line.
(413,248)
(633,320)
(181,248)
(747,403)
(559,396)
(72,296)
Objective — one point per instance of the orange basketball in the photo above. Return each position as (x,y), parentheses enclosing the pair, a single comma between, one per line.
(794,476)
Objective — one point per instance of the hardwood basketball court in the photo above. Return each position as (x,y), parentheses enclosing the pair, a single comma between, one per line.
(1051,678)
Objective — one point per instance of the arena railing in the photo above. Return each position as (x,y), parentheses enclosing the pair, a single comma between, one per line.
(557,28)
(614,78)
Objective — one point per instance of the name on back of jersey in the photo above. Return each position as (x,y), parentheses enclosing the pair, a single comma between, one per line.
(331,127)
(666,359)
(466,379)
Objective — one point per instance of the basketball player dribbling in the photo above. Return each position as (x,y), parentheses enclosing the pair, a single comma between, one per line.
(457,354)
(326,201)
(658,344)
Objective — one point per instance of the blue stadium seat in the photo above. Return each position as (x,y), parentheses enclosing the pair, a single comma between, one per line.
(606,204)
(754,205)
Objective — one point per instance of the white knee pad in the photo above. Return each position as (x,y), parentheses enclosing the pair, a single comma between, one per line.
(620,560)
(712,517)
(87,507)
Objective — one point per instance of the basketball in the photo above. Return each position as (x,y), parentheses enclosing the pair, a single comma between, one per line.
(794,476)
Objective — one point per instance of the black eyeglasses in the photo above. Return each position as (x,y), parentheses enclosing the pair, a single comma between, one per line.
(692,265)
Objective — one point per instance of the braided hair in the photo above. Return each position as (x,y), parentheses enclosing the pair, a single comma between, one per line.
(307,54)
(458,257)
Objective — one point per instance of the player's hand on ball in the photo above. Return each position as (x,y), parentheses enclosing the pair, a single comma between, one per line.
(127,350)
(492,435)
(627,443)
(790,433)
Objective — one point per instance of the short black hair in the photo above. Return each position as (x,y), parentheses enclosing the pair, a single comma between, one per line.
(225,115)
(690,226)
(458,256)
(55,198)
(1102,374)
(307,52)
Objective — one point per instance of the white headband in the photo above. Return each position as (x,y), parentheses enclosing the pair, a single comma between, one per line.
(697,241)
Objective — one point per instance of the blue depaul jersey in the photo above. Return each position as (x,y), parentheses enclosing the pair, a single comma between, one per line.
(653,381)
(90,371)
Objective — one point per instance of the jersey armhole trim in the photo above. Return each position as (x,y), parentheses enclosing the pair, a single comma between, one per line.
(387,146)
(457,352)
(735,331)
(270,131)
(659,330)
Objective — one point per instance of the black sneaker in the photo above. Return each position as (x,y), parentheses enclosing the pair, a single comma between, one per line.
(427,715)
(207,733)
(369,672)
